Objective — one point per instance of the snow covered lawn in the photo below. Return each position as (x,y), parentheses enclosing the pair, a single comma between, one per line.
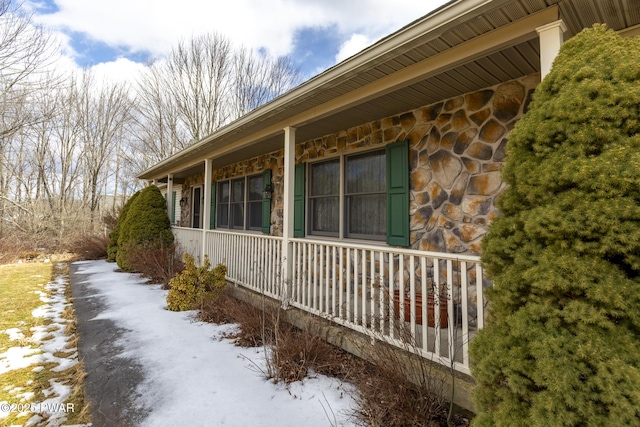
(35,361)
(193,376)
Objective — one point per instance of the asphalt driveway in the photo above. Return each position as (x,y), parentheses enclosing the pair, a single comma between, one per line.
(112,380)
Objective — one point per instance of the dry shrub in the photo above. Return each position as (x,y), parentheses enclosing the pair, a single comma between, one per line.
(159,264)
(216,310)
(385,397)
(387,392)
(12,248)
(296,352)
(255,325)
(89,247)
(400,388)
(110,218)
(293,352)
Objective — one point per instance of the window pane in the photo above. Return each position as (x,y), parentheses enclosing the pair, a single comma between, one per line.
(237,215)
(366,215)
(255,215)
(254,187)
(237,191)
(222,211)
(223,192)
(223,215)
(325,178)
(325,214)
(366,173)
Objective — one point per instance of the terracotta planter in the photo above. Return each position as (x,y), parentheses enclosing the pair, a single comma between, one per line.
(444,310)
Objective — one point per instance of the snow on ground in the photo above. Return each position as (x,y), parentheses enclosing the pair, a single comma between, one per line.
(46,344)
(193,376)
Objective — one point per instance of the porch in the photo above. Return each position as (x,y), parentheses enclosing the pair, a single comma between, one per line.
(359,287)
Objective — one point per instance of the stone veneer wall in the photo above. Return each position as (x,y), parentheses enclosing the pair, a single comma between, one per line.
(457,147)
(455,164)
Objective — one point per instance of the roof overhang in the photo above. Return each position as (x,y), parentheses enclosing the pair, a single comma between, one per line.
(463,46)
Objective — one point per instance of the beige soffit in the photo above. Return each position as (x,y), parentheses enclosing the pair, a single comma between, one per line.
(465,52)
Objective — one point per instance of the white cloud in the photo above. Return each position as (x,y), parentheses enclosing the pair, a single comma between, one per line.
(355,44)
(119,70)
(155,27)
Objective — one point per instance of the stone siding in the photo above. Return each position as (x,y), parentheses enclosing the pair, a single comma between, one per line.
(457,148)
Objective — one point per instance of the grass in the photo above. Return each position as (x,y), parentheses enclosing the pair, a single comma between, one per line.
(20,288)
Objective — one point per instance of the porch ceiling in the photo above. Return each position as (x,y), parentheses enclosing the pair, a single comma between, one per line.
(460,26)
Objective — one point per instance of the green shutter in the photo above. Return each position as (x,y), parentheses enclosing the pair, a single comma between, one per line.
(298,200)
(212,207)
(266,201)
(397,155)
(173,208)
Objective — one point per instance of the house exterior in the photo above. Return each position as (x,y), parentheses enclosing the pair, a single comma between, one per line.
(377,179)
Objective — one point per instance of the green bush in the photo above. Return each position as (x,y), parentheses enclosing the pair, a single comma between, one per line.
(112,249)
(562,342)
(195,286)
(146,224)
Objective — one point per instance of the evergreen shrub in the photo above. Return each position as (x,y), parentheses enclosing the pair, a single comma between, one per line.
(146,224)
(112,248)
(562,342)
(195,286)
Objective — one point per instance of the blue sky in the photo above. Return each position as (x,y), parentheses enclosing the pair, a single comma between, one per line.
(315,33)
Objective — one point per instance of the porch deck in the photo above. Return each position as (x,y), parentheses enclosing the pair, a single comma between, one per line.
(358,287)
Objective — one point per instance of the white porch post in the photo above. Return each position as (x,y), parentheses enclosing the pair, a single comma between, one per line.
(170,201)
(287,211)
(206,209)
(551,39)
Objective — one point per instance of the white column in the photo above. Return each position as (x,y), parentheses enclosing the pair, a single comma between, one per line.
(170,201)
(287,211)
(551,39)
(206,209)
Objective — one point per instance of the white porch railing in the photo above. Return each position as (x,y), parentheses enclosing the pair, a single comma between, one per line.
(253,261)
(189,240)
(369,289)
(362,287)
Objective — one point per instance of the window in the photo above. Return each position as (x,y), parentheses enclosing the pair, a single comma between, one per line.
(223,204)
(240,203)
(364,196)
(254,202)
(355,209)
(196,207)
(237,204)
(324,197)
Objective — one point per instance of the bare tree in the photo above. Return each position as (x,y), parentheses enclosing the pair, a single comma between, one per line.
(203,84)
(199,71)
(25,51)
(258,79)
(158,127)
(104,112)
(66,141)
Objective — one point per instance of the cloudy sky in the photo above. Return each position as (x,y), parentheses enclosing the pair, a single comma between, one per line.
(117,35)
